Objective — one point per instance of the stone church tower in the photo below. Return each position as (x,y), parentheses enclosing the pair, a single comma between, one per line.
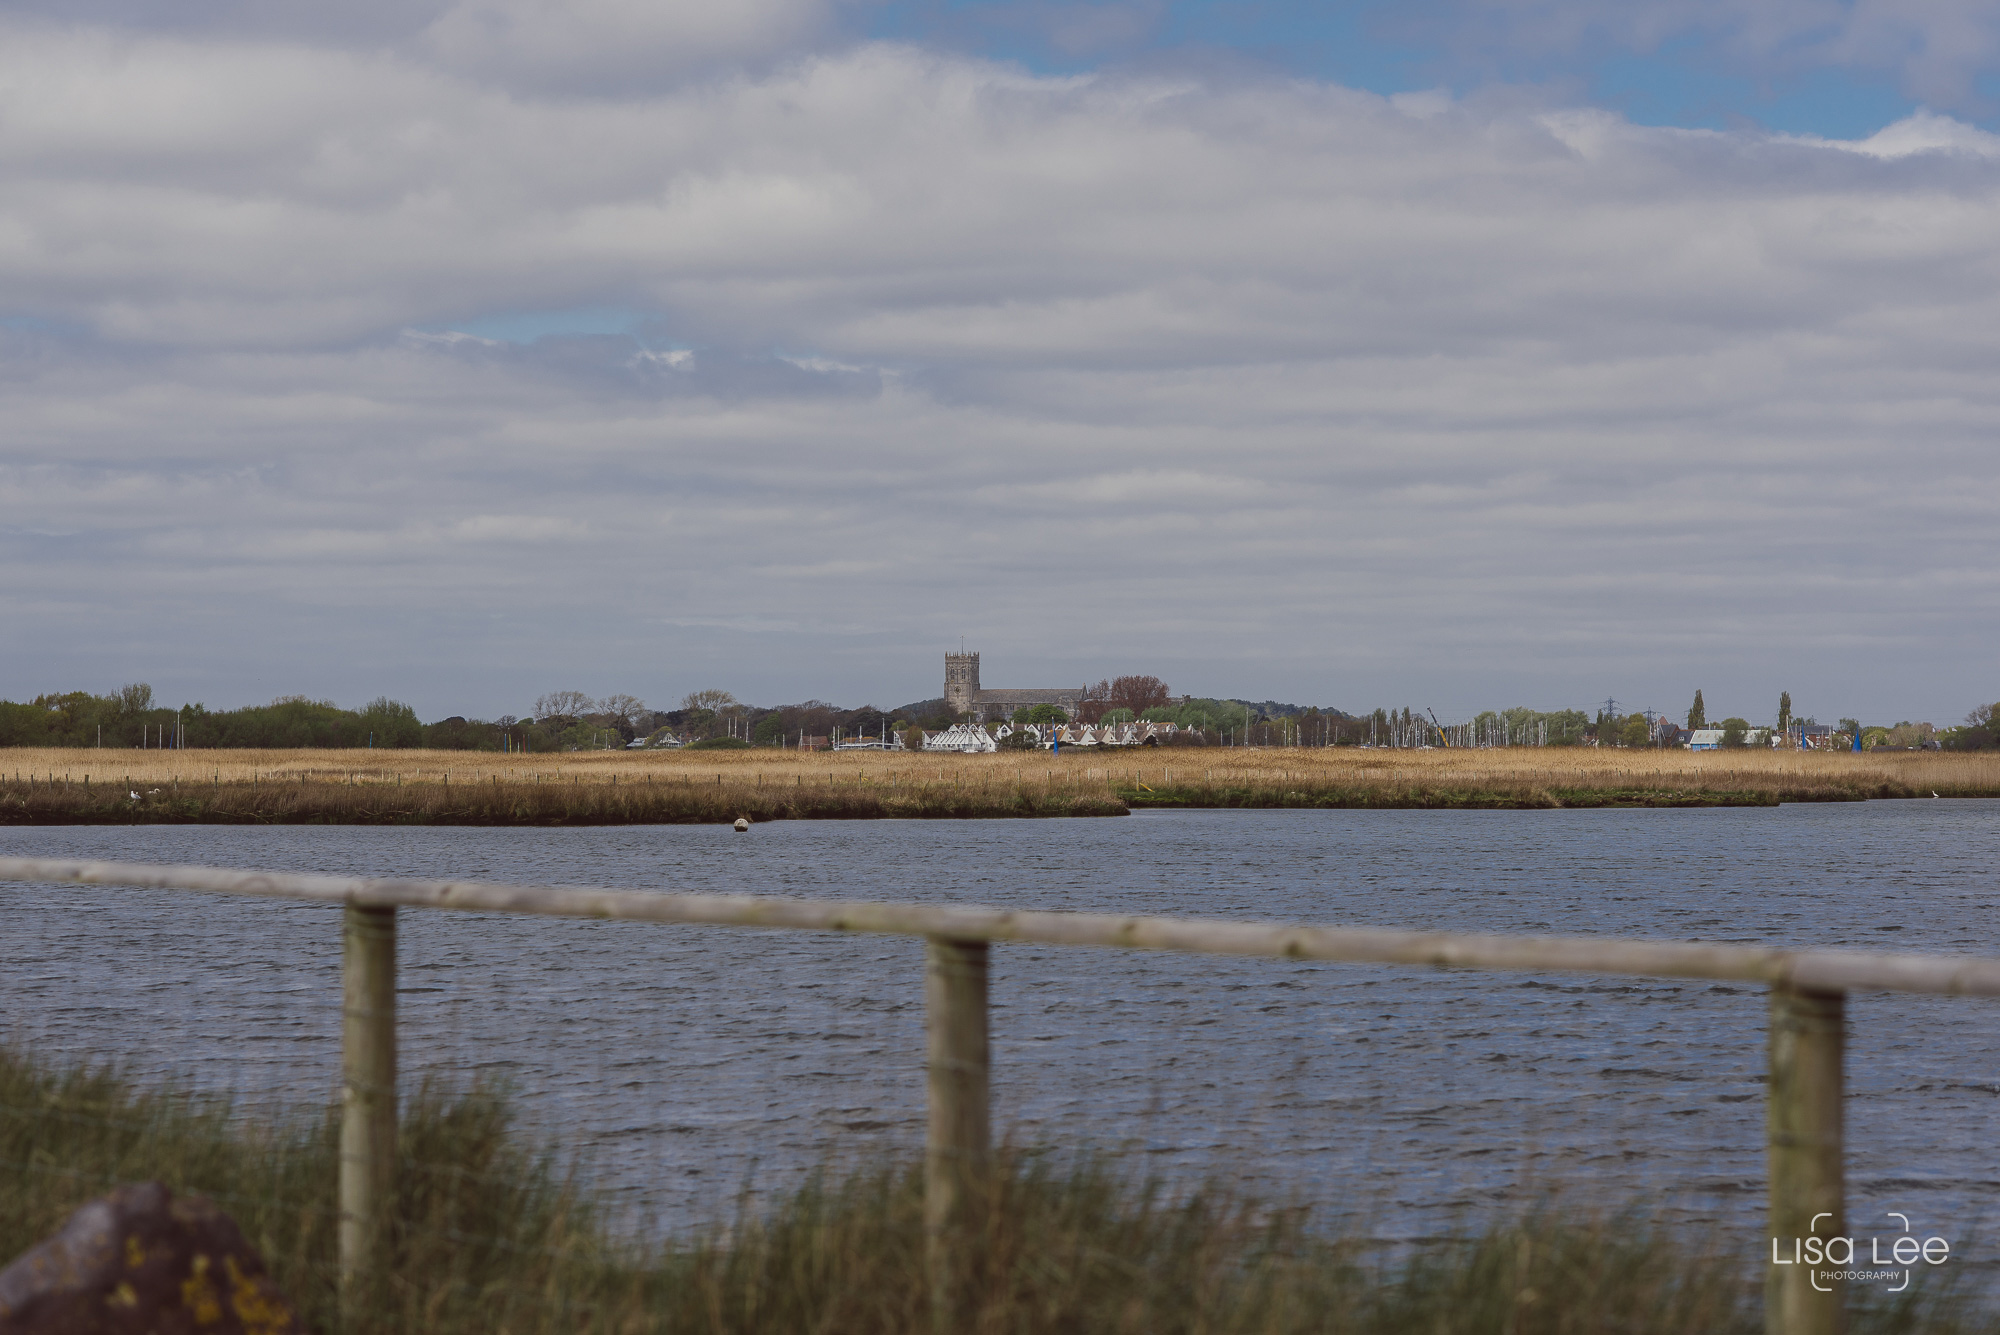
(963,694)
(961,683)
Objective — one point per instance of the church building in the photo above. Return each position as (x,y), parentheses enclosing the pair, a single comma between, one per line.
(963,695)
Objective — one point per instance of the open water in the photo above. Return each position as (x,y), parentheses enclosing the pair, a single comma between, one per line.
(689,1062)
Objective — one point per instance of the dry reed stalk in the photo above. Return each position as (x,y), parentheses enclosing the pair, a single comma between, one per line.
(620,787)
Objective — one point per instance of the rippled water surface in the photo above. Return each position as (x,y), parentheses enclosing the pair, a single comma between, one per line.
(692,1060)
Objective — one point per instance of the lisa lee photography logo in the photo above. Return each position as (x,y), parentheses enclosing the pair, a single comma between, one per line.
(1861,1260)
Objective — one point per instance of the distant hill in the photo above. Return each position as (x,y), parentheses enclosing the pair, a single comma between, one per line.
(923,709)
(1278,709)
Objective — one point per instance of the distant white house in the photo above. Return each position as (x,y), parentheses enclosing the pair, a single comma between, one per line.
(971,737)
(1121,734)
(894,743)
(1709,739)
(962,737)
(1106,734)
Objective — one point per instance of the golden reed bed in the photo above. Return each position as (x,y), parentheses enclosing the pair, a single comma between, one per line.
(617,787)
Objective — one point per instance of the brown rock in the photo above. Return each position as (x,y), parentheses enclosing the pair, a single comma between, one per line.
(142,1261)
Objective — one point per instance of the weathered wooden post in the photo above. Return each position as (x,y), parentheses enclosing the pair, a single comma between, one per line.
(368,1095)
(955,1156)
(1808,1189)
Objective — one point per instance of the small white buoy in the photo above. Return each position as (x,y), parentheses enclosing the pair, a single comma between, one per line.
(742,825)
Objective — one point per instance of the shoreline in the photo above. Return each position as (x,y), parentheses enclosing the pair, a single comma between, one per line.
(520,805)
(91,787)
(556,806)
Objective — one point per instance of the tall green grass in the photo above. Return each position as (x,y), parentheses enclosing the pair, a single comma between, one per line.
(493,1233)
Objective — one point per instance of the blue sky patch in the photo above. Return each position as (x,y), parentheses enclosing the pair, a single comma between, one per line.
(527,326)
(1692,78)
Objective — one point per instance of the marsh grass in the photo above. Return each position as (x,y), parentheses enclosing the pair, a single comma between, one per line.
(493,1232)
(51,787)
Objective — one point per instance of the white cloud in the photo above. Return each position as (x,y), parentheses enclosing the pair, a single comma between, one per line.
(1278,389)
(596,46)
(1935,50)
(1927,132)
(528,528)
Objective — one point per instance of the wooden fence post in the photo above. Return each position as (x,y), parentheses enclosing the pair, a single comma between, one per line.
(955,1158)
(368,1094)
(1808,1190)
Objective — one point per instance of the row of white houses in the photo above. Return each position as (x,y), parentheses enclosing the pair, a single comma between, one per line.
(975,738)
(1818,737)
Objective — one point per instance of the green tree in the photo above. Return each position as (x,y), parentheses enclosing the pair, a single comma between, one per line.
(289,720)
(1203,715)
(1735,732)
(1635,732)
(1697,713)
(459,733)
(1784,713)
(1039,714)
(1907,734)
(393,723)
(1980,733)
(1605,730)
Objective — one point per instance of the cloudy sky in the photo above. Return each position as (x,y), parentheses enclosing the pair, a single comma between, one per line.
(1460,353)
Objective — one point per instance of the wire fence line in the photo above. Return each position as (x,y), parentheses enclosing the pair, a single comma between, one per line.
(1806,1034)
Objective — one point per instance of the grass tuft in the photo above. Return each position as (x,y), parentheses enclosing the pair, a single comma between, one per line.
(494,1232)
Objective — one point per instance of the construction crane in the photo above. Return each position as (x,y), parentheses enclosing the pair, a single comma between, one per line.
(1444,738)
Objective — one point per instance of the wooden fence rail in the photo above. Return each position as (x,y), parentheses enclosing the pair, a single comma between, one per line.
(1806,1028)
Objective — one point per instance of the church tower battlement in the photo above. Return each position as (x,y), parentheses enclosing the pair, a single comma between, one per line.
(961,683)
(963,695)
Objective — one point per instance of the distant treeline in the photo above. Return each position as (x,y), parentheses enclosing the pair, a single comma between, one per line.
(132,718)
(573,721)
(560,721)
